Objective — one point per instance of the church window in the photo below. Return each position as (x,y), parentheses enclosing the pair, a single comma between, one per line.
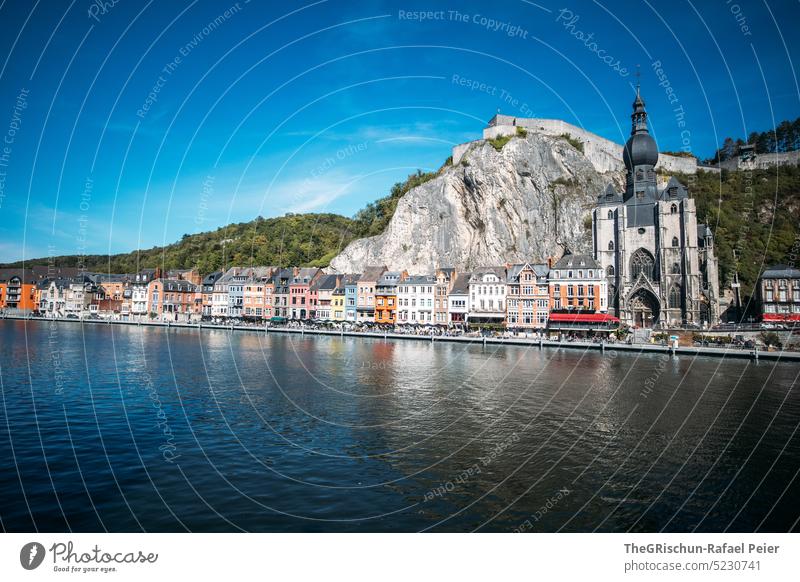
(642,262)
(674,297)
(610,214)
(611,245)
(674,241)
(639,175)
(610,270)
(641,231)
(640,195)
(676,269)
(673,209)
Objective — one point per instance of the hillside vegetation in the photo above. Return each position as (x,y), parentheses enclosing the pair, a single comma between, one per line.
(753,213)
(294,239)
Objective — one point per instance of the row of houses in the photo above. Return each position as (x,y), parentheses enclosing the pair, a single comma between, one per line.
(571,293)
(522,296)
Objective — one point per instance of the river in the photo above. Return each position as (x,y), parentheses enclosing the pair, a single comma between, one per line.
(122,428)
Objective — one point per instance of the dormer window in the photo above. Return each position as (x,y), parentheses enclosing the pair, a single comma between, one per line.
(640,195)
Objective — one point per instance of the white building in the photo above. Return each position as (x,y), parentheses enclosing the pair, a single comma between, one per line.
(487,295)
(415,295)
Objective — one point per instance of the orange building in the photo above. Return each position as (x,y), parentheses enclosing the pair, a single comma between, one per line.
(173,299)
(19,287)
(577,283)
(386,297)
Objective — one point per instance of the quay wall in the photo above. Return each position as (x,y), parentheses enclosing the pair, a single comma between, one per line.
(535,343)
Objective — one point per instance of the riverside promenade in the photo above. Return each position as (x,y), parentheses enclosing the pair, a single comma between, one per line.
(729,352)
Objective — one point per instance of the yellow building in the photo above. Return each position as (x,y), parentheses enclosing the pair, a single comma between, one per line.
(338,311)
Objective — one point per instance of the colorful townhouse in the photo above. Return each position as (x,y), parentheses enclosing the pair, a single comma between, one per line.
(386,297)
(79,297)
(269,295)
(322,291)
(458,300)
(280,295)
(365,296)
(527,296)
(416,295)
(577,283)
(445,277)
(578,296)
(254,295)
(350,283)
(338,310)
(778,294)
(221,298)
(19,288)
(235,286)
(174,300)
(53,296)
(487,296)
(110,295)
(301,305)
(139,292)
(207,292)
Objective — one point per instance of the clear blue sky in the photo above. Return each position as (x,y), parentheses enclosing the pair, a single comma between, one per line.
(321,106)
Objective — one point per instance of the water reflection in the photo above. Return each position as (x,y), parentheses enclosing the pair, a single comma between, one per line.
(294,433)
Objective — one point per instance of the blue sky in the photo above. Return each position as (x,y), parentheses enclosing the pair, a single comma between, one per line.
(262,108)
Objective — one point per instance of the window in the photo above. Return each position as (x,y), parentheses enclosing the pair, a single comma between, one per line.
(674,297)
(611,245)
(642,262)
(676,269)
(610,214)
(673,209)
(610,270)
(674,241)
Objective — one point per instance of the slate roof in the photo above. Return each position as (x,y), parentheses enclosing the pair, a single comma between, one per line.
(576,262)
(461,284)
(781,272)
(372,273)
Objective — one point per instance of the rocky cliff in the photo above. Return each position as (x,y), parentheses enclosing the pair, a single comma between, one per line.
(526,202)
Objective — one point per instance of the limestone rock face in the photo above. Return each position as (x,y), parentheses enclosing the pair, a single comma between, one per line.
(527,202)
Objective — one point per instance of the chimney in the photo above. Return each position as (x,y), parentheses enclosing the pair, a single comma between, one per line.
(550,262)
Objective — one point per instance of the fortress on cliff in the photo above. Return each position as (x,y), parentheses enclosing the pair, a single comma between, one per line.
(604,154)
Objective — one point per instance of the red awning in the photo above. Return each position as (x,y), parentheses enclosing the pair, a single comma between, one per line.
(781,317)
(583,318)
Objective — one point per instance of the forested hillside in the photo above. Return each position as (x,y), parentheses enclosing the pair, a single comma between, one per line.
(755,213)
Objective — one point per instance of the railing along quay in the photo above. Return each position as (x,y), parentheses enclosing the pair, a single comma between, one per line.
(754,354)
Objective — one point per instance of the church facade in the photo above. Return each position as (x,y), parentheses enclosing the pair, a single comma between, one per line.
(659,262)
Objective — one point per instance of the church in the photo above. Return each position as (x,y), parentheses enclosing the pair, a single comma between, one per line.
(658,261)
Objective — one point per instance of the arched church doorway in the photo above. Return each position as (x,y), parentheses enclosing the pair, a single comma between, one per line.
(644,308)
(705,313)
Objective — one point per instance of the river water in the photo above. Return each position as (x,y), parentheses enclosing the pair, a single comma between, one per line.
(123,428)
